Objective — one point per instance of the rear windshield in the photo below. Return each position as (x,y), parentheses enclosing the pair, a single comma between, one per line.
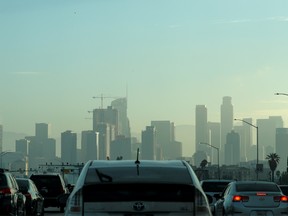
(214,186)
(141,174)
(143,192)
(46,181)
(3,181)
(284,190)
(22,183)
(257,187)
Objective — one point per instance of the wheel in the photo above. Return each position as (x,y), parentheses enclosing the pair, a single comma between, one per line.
(62,209)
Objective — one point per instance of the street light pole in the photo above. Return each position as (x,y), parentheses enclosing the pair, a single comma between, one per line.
(217,156)
(257,145)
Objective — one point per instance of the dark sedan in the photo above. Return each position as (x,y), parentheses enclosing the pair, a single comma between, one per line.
(34,200)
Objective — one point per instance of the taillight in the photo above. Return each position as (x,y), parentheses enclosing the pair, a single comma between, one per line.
(5,191)
(74,204)
(238,198)
(280,199)
(28,196)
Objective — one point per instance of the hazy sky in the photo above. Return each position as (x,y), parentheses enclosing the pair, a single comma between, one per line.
(169,55)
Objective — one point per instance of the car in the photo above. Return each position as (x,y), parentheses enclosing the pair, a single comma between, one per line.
(52,187)
(34,200)
(252,198)
(12,201)
(213,188)
(137,188)
(284,189)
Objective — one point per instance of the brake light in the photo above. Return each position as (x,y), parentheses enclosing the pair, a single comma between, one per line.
(5,191)
(74,205)
(28,196)
(261,194)
(238,198)
(280,199)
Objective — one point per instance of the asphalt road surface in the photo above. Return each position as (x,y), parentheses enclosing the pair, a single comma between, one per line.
(52,212)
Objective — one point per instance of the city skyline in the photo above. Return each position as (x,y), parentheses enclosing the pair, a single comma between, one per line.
(165,56)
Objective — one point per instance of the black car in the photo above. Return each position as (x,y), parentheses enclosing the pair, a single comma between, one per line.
(53,188)
(12,201)
(34,200)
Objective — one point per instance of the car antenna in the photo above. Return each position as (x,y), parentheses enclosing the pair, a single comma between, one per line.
(137,159)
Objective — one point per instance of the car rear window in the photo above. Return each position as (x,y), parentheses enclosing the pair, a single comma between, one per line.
(214,186)
(46,181)
(141,174)
(3,180)
(284,189)
(257,187)
(143,192)
(22,183)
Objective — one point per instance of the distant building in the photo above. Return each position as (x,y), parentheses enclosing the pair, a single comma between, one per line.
(214,129)
(1,138)
(22,146)
(120,105)
(201,134)
(282,148)
(148,150)
(68,147)
(89,146)
(121,148)
(267,134)
(232,149)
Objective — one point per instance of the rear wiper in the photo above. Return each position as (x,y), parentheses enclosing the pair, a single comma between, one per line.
(103,177)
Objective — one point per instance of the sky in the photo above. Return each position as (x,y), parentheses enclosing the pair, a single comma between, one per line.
(165,56)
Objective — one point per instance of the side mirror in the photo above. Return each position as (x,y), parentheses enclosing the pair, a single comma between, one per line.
(217,196)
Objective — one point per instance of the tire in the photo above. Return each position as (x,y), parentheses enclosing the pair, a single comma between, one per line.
(61,209)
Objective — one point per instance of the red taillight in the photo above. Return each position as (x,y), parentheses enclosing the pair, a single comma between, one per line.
(280,199)
(261,194)
(5,191)
(28,196)
(238,198)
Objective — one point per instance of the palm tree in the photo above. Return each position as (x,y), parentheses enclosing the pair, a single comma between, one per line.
(273,160)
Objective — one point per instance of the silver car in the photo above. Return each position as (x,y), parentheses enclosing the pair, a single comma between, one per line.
(253,198)
(137,188)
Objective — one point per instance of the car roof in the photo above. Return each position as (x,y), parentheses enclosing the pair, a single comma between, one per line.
(133,163)
(216,180)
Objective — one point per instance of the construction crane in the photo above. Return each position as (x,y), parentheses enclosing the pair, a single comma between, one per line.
(102,98)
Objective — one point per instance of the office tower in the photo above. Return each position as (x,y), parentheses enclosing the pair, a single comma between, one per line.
(214,137)
(240,130)
(282,148)
(201,131)
(21,146)
(104,140)
(1,138)
(105,121)
(232,149)
(148,137)
(164,136)
(108,116)
(49,150)
(186,135)
(68,147)
(226,123)
(120,105)
(42,130)
(121,148)
(89,146)
(267,134)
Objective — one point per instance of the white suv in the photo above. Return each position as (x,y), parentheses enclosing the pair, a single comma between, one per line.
(137,188)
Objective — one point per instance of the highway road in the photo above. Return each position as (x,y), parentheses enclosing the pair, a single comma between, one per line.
(52,212)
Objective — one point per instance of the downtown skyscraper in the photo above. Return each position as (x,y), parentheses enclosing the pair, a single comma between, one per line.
(227,118)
